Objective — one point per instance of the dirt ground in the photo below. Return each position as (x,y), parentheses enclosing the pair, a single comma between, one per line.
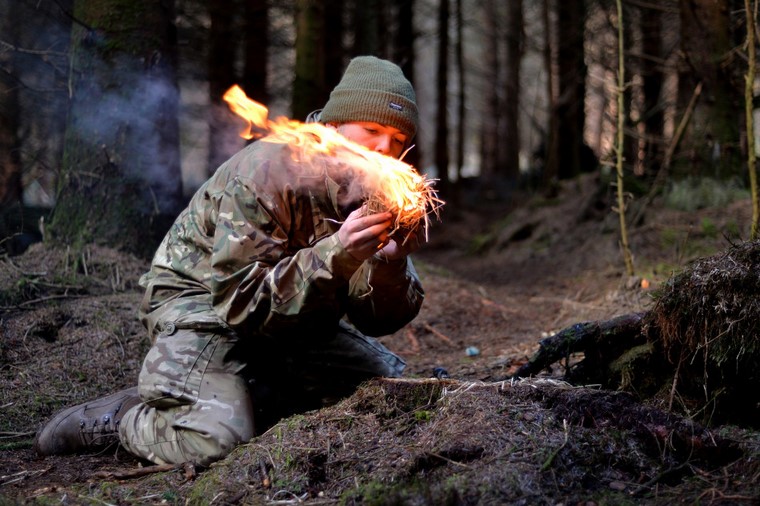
(496,282)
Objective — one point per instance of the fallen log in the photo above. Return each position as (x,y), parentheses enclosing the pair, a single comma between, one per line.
(601,342)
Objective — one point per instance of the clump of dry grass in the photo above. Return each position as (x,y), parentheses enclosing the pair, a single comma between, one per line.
(707,322)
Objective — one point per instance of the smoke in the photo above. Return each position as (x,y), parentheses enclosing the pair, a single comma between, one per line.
(135,126)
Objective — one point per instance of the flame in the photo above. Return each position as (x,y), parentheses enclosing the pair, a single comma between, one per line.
(388,184)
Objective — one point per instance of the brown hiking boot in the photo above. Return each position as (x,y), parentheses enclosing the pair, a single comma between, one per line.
(90,426)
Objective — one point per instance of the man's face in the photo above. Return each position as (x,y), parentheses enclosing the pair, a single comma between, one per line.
(383,139)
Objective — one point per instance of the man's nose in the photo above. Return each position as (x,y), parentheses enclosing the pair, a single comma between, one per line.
(383,144)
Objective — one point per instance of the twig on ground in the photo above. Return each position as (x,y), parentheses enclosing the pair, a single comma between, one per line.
(438,334)
(187,467)
(413,342)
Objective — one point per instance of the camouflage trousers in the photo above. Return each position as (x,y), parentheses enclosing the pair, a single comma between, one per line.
(205,392)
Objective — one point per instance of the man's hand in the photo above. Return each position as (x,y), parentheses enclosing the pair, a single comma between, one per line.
(363,236)
(393,249)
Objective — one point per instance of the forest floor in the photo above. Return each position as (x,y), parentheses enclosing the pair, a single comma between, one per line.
(496,282)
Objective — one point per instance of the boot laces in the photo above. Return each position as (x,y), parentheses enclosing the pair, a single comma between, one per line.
(99,431)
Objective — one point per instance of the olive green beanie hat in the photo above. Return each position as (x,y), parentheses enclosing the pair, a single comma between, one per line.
(373,90)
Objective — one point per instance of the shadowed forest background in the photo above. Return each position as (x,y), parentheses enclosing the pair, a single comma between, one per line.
(594,357)
(120,102)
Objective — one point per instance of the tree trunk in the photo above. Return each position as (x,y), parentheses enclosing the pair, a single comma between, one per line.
(121,157)
(571,117)
(335,52)
(461,90)
(309,87)
(652,76)
(442,89)
(10,159)
(490,118)
(223,124)
(256,50)
(551,139)
(510,159)
(713,134)
(366,28)
(404,56)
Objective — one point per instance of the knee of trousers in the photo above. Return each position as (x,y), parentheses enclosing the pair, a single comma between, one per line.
(183,434)
(203,448)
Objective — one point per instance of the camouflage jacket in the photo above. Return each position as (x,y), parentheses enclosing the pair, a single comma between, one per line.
(256,250)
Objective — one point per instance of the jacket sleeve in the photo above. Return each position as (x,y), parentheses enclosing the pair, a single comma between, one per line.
(258,285)
(384,296)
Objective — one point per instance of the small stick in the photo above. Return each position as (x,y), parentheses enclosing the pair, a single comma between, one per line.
(144,471)
(265,481)
(443,337)
(413,341)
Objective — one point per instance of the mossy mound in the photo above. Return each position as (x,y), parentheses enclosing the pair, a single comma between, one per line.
(706,323)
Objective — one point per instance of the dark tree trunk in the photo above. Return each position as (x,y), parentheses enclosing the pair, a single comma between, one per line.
(335,51)
(653,76)
(442,87)
(489,137)
(571,15)
(221,75)
(310,89)
(460,127)
(713,133)
(366,24)
(121,160)
(256,50)
(510,156)
(551,139)
(10,158)
(404,56)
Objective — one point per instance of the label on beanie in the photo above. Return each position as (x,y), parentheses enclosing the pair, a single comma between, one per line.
(395,106)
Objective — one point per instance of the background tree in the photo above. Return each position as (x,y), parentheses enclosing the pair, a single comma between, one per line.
(222,47)
(442,100)
(310,89)
(652,65)
(121,161)
(256,49)
(509,158)
(404,56)
(712,137)
(368,23)
(461,88)
(10,144)
(551,136)
(571,79)
(489,136)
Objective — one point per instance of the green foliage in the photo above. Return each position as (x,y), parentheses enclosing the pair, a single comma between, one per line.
(694,193)
(709,228)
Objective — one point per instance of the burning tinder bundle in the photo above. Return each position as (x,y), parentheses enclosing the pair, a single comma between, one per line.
(387,184)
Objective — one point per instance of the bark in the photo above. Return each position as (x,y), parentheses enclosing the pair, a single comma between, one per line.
(490,124)
(571,66)
(652,76)
(713,137)
(256,50)
(10,159)
(404,56)
(335,52)
(551,143)
(460,126)
(367,28)
(221,75)
(442,89)
(599,340)
(310,90)
(510,158)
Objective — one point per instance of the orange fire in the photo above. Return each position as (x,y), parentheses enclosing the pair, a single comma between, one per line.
(387,183)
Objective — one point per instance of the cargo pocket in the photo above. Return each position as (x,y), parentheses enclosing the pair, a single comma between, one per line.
(173,369)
